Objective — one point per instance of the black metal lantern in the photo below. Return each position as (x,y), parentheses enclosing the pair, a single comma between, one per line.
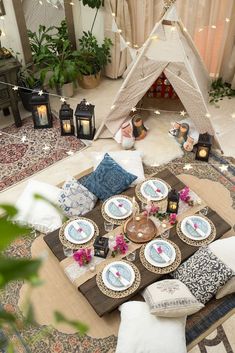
(41,110)
(85,120)
(203,147)
(66,120)
(101,247)
(173,202)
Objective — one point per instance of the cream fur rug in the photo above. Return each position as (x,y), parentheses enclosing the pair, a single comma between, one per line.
(158,147)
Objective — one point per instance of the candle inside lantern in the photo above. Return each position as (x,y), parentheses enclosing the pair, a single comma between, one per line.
(67,127)
(203,152)
(42,114)
(173,205)
(85,127)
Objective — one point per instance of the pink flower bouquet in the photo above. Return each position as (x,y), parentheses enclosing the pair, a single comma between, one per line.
(185,197)
(83,256)
(120,246)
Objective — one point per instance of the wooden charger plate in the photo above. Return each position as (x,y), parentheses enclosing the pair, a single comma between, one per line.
(140,230)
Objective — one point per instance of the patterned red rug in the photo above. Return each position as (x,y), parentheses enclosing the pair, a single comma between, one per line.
(25,151)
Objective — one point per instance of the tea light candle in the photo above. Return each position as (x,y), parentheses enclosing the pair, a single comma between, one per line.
(137,218)
(199,201)
(164,225)
(92,268)
(140,235)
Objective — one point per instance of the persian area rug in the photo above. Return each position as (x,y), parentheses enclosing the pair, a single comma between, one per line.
(209,331)
(25,151)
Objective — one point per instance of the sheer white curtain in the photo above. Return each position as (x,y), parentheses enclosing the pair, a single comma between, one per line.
(209,22)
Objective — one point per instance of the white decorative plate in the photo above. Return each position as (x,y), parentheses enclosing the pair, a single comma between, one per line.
(156,259)
(117,272)
(154,189)
(118,207)
(79,231)
(195,227)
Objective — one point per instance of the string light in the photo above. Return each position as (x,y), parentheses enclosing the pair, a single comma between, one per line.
(113,14)
(70,153)
(24,138)
(183,113)
(154,37)
(223,168)
(46,148)
(213,26)
(112,107)
(208,115)
(71,3)
(40,93)
(16,88)
(200,30)
(157,112)
(233,115)
(136,46)
(227,19)
(62,99)
(119,30)
(40,2)
(187,166)
(133,109)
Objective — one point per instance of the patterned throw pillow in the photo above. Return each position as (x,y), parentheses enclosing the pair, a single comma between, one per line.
(108,179)
(75,199)
(171,298)
(203,273)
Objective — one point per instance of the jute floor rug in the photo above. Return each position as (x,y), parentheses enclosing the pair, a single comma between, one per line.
(215,187)
(25,151)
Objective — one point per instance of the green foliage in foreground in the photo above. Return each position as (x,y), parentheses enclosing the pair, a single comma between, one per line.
(12,269)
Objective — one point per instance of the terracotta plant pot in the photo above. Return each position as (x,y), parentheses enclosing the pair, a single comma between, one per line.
(67,90)
(89,81)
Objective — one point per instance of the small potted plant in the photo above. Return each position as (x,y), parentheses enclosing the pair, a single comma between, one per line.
(27,80)
(96,58)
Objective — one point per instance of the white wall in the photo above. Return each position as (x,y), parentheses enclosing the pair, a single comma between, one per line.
(83,17)
(45,14)
(8,25)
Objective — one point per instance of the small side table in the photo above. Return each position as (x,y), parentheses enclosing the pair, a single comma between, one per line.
(8,97)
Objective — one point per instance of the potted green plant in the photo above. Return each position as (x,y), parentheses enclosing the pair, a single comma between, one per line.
(95,56)
(27,80)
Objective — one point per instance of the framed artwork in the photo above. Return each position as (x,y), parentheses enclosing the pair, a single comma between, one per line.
(2,8)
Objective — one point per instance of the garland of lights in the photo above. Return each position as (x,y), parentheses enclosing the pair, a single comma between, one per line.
(187,166)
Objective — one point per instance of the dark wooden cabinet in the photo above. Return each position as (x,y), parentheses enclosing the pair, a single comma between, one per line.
(9,97)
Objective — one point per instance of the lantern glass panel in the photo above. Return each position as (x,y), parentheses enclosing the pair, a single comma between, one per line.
(41,115)
(66,126)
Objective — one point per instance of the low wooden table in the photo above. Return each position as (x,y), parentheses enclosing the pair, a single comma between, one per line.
(100,302)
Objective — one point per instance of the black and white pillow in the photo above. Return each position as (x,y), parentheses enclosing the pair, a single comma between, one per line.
(203,273)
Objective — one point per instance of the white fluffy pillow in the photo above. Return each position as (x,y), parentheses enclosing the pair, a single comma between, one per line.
(38,213)
(142,332)
(224,249)
(131,161)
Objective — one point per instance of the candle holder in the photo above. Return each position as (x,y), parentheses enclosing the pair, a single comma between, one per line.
(66,120)
(85,120)
(41,110)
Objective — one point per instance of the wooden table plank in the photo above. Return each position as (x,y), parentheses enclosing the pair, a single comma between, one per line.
(53,241)
(103,304)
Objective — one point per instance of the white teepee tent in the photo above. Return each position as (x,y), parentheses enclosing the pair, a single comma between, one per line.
(168,49)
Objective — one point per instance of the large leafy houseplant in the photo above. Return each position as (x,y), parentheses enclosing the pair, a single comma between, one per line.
(96,56)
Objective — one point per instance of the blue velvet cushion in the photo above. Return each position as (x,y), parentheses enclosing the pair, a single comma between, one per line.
(108,179)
